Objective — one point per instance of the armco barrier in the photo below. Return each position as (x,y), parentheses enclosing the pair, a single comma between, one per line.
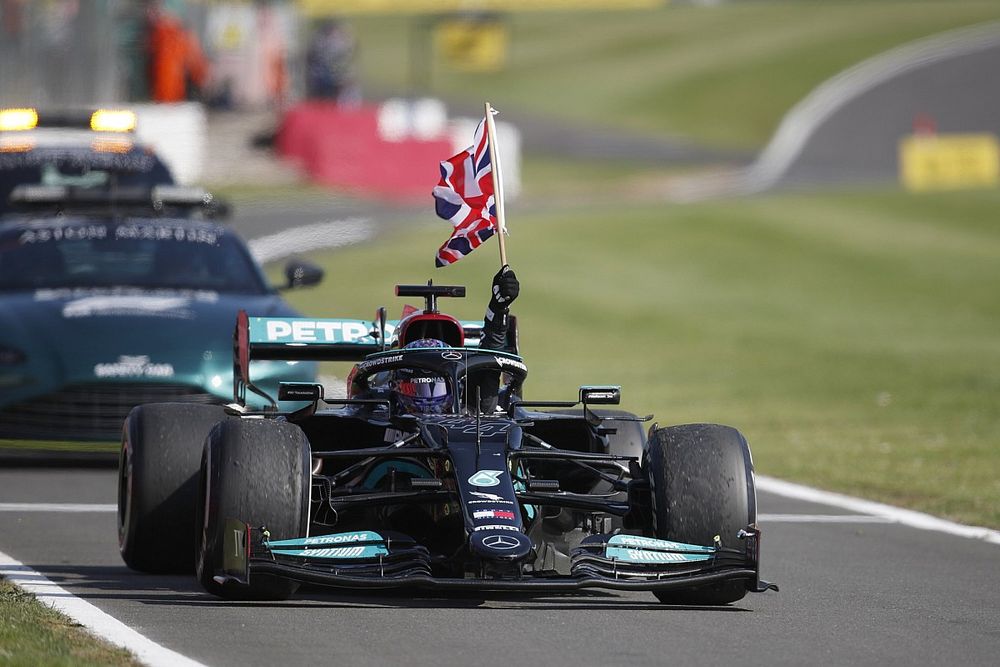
(343,147)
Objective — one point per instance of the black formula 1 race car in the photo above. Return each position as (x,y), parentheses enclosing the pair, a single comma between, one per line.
(357,493)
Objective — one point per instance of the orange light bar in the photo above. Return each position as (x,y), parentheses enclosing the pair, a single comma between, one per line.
(18,119)
(18,146)
(113,145)
(112,120)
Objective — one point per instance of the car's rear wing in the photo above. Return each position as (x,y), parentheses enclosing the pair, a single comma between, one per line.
(309,339)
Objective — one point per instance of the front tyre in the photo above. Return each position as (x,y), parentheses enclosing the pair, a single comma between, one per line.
(257,471)
(157,484)
(702,486)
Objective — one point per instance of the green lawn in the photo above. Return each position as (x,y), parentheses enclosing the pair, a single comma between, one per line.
(723,75)
(32,634)
(852,336)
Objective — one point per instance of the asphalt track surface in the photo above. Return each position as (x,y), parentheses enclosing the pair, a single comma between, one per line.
(854,590)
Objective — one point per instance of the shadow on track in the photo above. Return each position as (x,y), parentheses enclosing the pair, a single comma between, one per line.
(120,583)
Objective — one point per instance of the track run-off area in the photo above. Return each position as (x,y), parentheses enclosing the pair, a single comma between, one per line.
(861,583)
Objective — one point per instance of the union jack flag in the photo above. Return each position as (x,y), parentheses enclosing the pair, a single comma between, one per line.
(464,197)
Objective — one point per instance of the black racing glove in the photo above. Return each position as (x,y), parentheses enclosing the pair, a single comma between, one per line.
(505,290)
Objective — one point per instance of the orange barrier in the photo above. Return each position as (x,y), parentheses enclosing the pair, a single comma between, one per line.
(342,147)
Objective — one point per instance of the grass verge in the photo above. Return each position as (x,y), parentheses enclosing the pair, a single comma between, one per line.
(722,74)
(32,634)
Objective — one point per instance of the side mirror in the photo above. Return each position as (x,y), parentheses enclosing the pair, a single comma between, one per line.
(601,395)
(219,208)
(300,273)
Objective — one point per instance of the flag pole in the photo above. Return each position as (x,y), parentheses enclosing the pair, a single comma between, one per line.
(497,183)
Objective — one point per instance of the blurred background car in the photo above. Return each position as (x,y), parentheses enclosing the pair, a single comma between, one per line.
(105,305)
(80,148)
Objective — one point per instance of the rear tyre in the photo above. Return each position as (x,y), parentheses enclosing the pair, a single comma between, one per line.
(702,486)
(158,482)
(257,471)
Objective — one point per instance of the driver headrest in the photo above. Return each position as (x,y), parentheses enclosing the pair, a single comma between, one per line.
(431,325)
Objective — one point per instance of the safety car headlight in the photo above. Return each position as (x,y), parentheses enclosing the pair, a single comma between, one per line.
(112,120)
(18,119)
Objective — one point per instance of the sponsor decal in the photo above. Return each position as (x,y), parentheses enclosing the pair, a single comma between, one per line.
(393,435)
(496,526)
(341,538)
(336,552)
(641,542)
(312,331)
(493,514)
(642,556)
(337,538)
(451,355)
(488,499)
(502,542)
(486,478)
(601,394)
(133,367)
(148,232)
(365,365)
(638,549)
(513,363)
(239,537)
(45,234)
(426,380)
(67,293)
(488,427)
(139,305)
(356,551)
(486,496)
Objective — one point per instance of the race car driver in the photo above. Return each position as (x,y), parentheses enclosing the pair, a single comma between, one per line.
(422,391)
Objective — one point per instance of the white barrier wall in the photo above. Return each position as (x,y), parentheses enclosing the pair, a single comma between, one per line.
(177,132)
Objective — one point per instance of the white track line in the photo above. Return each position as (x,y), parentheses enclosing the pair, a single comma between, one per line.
(822,518)
(93,619)
(800,123)
(330,234)
(804,118)
(57,507)
(895,514)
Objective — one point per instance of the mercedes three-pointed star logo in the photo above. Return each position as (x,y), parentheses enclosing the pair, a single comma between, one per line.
(501,542)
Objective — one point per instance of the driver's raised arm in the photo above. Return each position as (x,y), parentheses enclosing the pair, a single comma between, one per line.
(505,290)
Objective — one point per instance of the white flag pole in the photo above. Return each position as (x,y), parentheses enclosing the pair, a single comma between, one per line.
(497,182)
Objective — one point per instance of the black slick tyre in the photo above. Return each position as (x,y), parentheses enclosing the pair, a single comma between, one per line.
(158,483)
(256,471)
(702,486)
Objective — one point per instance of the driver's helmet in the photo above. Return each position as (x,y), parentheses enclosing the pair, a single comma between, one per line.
(421,391)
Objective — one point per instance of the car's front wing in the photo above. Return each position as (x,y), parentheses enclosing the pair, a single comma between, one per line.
(369,560)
